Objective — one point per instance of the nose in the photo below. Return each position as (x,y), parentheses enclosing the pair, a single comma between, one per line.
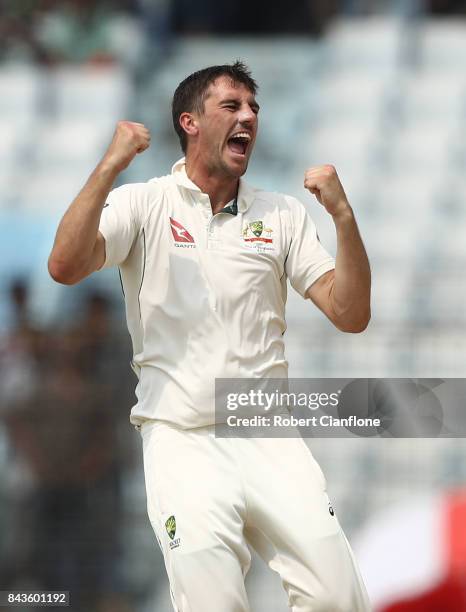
(247,116)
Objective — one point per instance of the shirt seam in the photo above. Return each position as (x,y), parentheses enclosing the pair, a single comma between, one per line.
(143,271)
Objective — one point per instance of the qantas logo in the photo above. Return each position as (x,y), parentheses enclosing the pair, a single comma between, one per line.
(180,234)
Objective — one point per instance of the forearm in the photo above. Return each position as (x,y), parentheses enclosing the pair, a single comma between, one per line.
(77,232)
(79,249)
(350,292)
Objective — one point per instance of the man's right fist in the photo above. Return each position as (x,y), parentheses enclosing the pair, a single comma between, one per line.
(128,140)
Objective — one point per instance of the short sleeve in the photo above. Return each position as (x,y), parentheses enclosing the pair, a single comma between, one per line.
(307,259)
(119,225)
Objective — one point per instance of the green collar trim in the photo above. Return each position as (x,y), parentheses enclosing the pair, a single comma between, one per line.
(232,209)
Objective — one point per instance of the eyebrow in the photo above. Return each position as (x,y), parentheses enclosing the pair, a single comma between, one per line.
(253,104)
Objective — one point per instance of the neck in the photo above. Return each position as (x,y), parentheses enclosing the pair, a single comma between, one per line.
(221,189)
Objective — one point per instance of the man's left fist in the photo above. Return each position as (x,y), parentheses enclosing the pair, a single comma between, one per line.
(323,182)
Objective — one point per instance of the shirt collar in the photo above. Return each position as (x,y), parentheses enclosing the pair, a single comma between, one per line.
(246,193)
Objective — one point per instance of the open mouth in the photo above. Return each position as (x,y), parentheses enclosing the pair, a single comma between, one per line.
(238,143)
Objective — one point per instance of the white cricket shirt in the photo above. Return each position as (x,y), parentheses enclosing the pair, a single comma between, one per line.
(205,294)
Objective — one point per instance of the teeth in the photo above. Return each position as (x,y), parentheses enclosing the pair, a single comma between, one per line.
(242,135)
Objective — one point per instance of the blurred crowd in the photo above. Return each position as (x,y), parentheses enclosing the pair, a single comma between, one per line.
(54,31)
(51,32)
(64,412)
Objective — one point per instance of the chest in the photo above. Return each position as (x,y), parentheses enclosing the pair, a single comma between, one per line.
(248,248)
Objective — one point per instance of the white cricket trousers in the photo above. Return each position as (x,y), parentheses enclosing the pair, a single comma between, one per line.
(208,498)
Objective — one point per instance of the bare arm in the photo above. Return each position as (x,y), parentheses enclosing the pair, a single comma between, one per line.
(79,248)
(342,294)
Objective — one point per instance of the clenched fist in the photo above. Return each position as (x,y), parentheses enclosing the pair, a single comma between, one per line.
(323,182)
(128,140)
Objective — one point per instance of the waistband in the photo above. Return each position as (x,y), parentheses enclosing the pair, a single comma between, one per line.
(151,424)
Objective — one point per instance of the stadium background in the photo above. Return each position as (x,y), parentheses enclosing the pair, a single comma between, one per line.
(378,88)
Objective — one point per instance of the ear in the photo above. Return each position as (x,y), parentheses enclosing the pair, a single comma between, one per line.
(189,124)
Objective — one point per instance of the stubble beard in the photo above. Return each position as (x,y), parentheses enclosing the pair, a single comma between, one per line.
(231,170)
(222,168)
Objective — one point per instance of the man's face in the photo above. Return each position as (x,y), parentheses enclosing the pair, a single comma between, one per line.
(227,128)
